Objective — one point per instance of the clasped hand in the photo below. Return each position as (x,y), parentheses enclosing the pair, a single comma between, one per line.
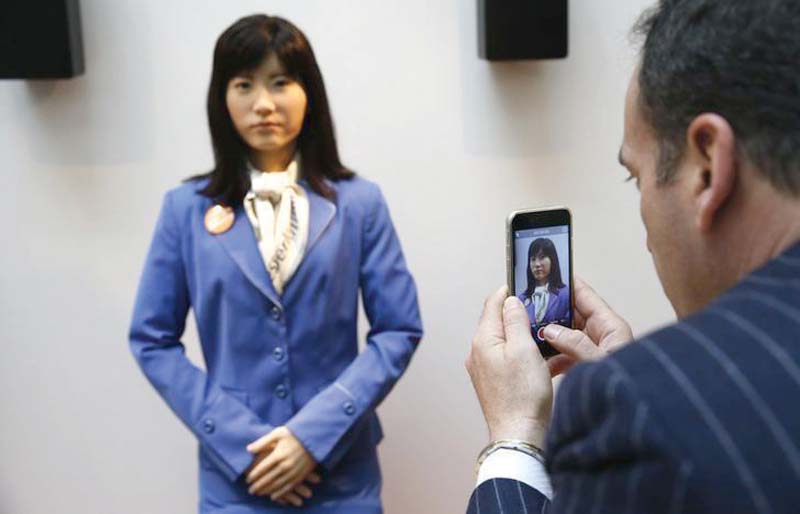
(512,379)
(281,467)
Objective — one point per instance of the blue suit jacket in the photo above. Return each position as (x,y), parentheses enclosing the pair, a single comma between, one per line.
(558,306)
(279,360)
(700,417)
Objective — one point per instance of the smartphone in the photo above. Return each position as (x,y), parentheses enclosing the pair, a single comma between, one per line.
(539,268)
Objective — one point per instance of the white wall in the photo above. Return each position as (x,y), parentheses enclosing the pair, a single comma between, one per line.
(454,141)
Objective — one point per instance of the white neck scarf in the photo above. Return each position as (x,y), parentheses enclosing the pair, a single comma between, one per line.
(278,210)
(541,299)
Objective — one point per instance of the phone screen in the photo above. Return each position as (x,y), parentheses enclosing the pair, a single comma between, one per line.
(543,278)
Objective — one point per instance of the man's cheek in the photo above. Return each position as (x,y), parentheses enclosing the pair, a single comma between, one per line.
(647,228)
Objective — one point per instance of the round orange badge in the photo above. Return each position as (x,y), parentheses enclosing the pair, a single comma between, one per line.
(219,219)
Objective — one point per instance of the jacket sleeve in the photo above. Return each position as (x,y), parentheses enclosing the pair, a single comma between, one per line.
(221,423)
(503,495)
(328,424)
(605,454)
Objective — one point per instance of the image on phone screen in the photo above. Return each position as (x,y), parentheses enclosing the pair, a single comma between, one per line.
(542,278)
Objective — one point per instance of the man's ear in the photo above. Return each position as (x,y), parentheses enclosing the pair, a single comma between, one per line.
(711,148)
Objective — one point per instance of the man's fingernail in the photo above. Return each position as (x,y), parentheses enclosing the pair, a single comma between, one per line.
(511,302)
(552,331)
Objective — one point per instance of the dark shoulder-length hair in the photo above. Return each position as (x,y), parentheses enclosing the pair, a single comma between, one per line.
(545,247)
(243,46)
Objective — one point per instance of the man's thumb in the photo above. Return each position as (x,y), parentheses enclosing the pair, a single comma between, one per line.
(573,343)
(516,323)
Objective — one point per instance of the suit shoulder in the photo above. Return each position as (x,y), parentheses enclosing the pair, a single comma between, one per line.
(183,201)
(604,428)
(600,416)
(641,362)
(362,196)
(358,188)
(630,379)
(691,368)
(186,193)
(586,379)
(688,351)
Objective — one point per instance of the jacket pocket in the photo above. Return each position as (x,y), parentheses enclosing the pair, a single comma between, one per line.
(240,394)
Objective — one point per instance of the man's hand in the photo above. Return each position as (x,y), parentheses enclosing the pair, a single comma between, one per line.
(601,331)
(510,376)
(280,467)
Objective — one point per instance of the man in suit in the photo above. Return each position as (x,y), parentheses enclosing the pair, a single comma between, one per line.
(701,416)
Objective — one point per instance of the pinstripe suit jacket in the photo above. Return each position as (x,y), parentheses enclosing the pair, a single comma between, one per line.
(700,417)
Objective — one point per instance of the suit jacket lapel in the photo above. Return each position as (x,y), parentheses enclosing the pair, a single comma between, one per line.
(552,304)
(240,243)
(321,213)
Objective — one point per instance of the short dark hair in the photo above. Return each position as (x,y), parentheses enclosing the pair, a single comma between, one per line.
(735,58)
(545,247)
(243,46)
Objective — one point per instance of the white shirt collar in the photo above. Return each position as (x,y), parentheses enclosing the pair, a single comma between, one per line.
(292,172)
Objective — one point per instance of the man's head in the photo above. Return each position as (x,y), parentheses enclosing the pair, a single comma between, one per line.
(712,136)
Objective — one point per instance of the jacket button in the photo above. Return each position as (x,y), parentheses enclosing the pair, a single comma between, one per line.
(208,426)
(276,313)
(349,408)
(278,354)
(281,391)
